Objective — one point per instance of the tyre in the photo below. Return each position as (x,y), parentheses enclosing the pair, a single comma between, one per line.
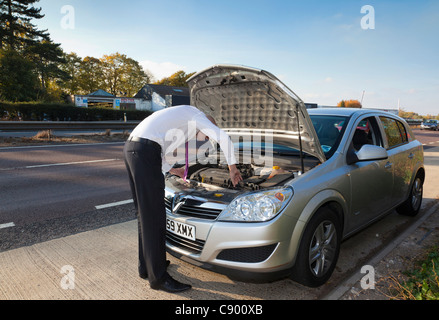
(318,250)
(413,203)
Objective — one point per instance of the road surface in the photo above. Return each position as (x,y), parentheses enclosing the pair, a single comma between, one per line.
(53,191)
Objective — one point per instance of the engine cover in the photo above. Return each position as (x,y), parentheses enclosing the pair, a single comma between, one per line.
(216,176)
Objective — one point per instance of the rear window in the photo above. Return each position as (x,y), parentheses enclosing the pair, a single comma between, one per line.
(395,131)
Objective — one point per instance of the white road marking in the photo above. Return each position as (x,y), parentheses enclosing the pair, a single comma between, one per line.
(59,145)
(68,163)
(113,204)
(58,164)
(7,225)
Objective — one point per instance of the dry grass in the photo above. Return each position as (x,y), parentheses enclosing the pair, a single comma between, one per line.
(419,283)
(47,137)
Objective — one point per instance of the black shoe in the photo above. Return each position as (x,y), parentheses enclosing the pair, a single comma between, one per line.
(144,275)
(171,285)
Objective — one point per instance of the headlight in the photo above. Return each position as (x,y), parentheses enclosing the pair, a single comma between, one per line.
(257,206)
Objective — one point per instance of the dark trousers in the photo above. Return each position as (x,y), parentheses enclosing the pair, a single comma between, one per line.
(144,164)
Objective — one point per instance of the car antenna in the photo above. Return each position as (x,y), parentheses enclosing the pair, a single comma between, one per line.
(300,142)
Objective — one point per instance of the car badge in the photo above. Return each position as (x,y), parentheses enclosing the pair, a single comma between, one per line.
(178,202)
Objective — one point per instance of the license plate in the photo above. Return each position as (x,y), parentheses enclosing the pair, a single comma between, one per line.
(181,229)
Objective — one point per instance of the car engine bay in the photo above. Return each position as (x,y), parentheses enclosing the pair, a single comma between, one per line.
(254,177)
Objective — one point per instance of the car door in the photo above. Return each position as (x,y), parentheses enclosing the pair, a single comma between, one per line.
(371,181)
(401,157)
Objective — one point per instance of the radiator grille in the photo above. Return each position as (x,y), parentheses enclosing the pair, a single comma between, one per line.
(194,208)
(189,245)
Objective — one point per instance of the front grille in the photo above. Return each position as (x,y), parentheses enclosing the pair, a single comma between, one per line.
(168,204)
(194,208)
(189,245)
(198,212)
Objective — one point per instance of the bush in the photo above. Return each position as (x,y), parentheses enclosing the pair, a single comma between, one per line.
(64,112)
(421,283)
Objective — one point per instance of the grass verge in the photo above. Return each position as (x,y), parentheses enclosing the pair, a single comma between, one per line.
(420,283)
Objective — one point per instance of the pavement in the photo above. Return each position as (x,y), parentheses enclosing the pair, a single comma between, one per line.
(101,264)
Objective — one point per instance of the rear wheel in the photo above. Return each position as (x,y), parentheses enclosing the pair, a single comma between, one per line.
(319,249)
(413,203)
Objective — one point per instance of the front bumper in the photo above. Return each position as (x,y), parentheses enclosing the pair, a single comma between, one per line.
(424,127)
(236,247)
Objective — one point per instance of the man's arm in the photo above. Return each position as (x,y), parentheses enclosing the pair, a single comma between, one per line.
(235,175)
(177,172)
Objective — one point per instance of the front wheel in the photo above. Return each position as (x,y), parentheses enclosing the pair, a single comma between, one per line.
(318,250)
(413,203)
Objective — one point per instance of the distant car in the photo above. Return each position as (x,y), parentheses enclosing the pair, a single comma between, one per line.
(336,171)
(430,125)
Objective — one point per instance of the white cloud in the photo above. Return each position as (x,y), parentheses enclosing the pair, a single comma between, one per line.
(161,70)
(329,79)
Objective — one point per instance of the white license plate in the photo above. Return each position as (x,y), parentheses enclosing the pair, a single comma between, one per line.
(182,229)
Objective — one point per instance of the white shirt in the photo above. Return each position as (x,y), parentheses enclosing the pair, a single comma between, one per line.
(172,127)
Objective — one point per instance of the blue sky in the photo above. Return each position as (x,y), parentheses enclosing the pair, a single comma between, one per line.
(317,48)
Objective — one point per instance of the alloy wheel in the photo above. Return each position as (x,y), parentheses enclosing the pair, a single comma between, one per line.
(416,193)
(323,248)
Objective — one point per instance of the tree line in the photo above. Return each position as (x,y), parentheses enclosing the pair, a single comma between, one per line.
(34,68)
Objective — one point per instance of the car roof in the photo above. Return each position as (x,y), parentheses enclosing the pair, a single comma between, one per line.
(346,112)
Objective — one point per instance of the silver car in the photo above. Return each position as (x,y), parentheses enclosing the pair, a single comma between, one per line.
(431,124)
(311,179)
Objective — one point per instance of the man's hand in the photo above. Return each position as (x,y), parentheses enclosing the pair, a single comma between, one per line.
(235,175)
(177,172)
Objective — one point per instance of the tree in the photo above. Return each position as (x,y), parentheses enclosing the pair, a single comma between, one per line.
(133,77)
(115,73)
(178,79)
(408,114)
(122,75)
(91,75)
(18,81)
(112,69)
(47,58)
(16,30)
(72,67)
(349,104)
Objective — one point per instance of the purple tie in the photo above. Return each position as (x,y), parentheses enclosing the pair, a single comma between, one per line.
(186,169)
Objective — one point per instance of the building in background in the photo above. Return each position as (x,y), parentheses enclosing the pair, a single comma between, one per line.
(151,97)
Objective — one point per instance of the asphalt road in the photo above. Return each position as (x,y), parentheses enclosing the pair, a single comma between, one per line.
(53,191)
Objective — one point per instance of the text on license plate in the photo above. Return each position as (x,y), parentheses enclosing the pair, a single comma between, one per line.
(181,229)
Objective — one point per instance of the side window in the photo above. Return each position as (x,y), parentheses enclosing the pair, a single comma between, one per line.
(403,131)
(367,132)
(395,131)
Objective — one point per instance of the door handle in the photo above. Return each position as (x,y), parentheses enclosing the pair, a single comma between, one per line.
(411,155)
(388,165)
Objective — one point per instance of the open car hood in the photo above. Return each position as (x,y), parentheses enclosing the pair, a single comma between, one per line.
(243,100)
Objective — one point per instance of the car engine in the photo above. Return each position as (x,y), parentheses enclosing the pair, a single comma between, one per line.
(254,178)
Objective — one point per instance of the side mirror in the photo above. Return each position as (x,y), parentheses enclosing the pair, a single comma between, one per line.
(367,152)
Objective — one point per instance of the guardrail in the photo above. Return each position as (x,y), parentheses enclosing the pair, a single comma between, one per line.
(413,122)
(66,125)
